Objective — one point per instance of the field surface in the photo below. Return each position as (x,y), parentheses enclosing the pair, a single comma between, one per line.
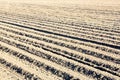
(59,42)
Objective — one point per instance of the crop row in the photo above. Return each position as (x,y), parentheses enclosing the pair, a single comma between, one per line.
(53,24)
(64,35)
(19,70)
(64,53)
(72,41)
(39,64)
(85,25)
(88,52)
(58,26)
(66,32)
(74,67)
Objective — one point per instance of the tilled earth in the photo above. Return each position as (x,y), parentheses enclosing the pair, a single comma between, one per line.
(59,43)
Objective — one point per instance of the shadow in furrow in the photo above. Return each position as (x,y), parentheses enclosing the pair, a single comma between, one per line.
(63,35)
